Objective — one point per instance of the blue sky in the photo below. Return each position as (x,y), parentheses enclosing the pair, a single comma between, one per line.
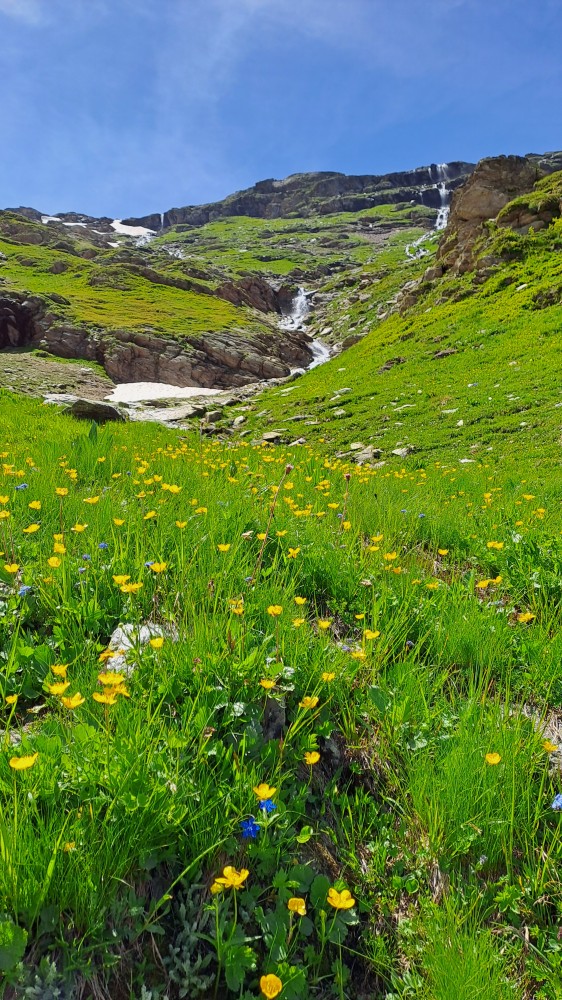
(124,107)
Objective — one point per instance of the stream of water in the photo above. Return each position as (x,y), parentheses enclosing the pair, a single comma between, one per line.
(416,249)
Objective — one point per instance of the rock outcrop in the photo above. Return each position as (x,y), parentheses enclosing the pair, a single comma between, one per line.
(213,360)
(494,183)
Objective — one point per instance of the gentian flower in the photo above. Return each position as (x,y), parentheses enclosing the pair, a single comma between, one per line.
(268,805)
(103,545)
(250,828)
(556,802)
(22,486)
(24,590)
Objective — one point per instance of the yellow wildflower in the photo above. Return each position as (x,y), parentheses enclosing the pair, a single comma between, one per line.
(31,529)
(493,758)
(91,500)
(324,623)
(159,567)
(274,610)
(11,567)
(370,634)
(121,578)
(300,600)
(23,763)
(105,699)
(271,986)
(59,669)
(328,676)
(73,701)
(340,900)
(311,757)
(59,688)
(297,905)
(264,791)
(157,642)
(54,562)
(231,878)
(118,521)
(223,546)
(130,588)
(309,701)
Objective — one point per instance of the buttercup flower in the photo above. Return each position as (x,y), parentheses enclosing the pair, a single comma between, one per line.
(370,634)
(549,747)
(157,642)
(297,905)
(59,669)
(274,610)
(231,878)
(309,701)
(311,757)
(328,676)
(159,567)
(23,763)
(105,699)
(493,758)
(11,699)
(264,791)
(223,546)
(59,688)
(340,900)
(271,986)
(74,701)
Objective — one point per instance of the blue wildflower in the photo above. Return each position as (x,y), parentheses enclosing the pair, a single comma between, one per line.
(268,805)
(22,486)
(81,569)
(150,563)
(24,590)
(86,557)
(557,802)
(103,545)
(421,515)
(250,828)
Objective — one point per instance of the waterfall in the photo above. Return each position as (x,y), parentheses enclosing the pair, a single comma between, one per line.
(299,312)
(161,220)
(415,250)
(294,321)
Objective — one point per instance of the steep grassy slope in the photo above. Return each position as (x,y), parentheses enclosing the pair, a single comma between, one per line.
(472,368)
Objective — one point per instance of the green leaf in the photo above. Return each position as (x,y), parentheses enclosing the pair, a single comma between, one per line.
(380,699)
(305,835)
(319,891)
(13,941)
(239,960)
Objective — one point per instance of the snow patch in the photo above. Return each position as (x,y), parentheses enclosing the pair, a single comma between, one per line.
(137,392)
(118,226)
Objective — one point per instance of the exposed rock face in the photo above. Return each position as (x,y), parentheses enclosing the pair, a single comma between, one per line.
(319,194)
(214,360)
(495,182)
(258,294)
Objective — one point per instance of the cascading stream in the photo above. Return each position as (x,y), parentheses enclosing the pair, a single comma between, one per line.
(294,320)
(416,249)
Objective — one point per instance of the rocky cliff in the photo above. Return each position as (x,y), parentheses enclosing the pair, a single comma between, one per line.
(495,183)
(321,193)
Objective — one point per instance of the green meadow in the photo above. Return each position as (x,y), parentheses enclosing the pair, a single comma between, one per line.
(326,763)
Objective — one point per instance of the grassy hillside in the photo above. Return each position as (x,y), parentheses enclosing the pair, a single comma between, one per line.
(125,287)
(322,756)
(472,369)
(379,650)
